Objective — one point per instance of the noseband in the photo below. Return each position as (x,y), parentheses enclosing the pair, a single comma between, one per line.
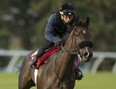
(84,44)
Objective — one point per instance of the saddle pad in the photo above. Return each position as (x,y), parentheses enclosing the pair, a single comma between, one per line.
(47,54)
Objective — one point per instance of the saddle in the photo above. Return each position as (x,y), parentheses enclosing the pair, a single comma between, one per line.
(47,54)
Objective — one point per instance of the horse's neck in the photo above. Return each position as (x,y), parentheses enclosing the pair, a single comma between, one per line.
(66,59)
(70,43)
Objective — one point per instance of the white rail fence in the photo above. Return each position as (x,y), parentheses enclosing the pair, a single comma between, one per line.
(16,54)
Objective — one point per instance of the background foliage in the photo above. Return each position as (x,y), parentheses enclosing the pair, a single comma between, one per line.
(22,22)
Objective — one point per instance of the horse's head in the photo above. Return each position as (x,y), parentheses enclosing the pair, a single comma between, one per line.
(79,40)
(83,41)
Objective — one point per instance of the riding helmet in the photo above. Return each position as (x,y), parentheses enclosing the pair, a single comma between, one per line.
(67,9)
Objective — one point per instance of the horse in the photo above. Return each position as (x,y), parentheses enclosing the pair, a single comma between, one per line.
(58,72)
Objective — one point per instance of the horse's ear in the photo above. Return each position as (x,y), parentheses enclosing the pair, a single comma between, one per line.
(87,21)
(79,23)
(77,19)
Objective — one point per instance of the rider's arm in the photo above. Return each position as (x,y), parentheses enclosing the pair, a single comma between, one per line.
(49,30)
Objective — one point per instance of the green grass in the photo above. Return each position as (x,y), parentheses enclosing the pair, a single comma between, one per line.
(90,81)
(97,81)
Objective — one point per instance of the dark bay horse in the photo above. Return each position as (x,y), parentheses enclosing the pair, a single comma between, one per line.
(58,72)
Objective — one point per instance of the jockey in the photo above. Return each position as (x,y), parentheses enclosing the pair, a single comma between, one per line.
(56,27)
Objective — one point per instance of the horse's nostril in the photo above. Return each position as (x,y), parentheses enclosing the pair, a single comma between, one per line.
(85,54)
(88,54)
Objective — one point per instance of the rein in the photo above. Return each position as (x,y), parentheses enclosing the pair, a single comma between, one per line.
(70,52)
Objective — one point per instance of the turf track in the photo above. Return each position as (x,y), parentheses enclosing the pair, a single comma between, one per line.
(103,80)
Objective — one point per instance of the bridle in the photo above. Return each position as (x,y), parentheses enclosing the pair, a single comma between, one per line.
(79,45)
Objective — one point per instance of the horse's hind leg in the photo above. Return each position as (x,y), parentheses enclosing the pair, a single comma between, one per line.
(25,80)
(26,84)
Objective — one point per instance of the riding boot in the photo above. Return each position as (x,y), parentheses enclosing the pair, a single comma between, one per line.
(79,74)
(34,59)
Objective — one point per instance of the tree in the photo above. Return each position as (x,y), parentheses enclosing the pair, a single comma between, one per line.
(25,21)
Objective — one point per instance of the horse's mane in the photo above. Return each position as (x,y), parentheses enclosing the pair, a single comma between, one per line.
(78,22)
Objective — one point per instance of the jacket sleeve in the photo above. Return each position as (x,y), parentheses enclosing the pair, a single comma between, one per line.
(49,30)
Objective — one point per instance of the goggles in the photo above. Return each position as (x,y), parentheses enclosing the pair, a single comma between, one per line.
(67,12)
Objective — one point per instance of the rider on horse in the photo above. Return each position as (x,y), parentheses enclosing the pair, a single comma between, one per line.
(57,26)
